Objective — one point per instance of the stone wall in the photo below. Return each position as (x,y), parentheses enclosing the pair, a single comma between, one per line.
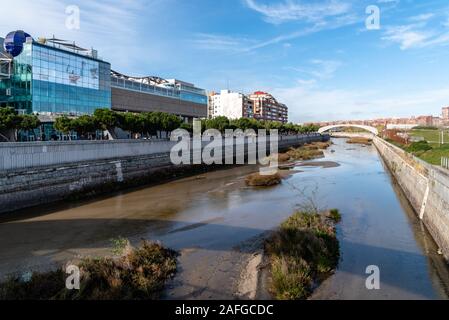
(42,172)
(426,187)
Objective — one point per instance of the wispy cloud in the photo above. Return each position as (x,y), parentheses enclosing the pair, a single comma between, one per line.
(294,10)
(407,36)
(425,30)
(422,17)
(221,42)
(319,69)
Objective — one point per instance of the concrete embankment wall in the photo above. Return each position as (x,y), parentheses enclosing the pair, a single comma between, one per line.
(42,172)
(426,187)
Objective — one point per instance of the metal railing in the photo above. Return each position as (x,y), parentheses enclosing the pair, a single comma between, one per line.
(445,162)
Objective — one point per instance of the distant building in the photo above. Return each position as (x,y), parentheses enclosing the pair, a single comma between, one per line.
(233,105)
(445,113)
(267,108)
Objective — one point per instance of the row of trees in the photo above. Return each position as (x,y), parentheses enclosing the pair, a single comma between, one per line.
(11,122)
(223,123)
(144,124)
(153,123)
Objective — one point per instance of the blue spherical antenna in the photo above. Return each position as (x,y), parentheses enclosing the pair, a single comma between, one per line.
(14,41)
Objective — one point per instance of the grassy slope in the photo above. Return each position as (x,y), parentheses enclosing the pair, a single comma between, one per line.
(431,136)
(431,156)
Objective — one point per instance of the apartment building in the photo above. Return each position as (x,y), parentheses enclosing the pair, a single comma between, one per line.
(267,108)
(233,105)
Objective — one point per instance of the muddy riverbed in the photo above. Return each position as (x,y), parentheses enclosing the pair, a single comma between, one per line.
(217,224)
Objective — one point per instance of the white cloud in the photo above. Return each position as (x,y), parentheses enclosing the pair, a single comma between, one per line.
(422,17)
(422,33)
(407,36)
(293,10)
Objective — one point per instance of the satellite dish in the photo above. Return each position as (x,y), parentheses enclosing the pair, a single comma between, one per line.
(14,41)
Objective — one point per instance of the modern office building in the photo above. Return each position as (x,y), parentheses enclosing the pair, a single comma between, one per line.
(267,108)
(233,105)
(143,94)
(52,77)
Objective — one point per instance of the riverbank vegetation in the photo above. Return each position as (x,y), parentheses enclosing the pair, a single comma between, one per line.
(131,273)
(308,151)
(423,142)
(360,140)
(259,180)
(428,152)
(302,253)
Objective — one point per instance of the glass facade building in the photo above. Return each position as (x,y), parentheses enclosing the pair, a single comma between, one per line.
(51,80)
(170,90)
(53,77)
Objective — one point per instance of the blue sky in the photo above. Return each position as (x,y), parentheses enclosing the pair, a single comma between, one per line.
(316,56)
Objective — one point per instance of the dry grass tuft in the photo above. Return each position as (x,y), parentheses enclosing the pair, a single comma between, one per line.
(304,153)
(258,180)
(360,140)
(138,273)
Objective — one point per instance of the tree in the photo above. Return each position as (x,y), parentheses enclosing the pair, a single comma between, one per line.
(170,122)
(9,123)
(107,119)
(28,122)
(65,125)
(85,125)
(220,123)
(186,126)
(131,122)
(150,125)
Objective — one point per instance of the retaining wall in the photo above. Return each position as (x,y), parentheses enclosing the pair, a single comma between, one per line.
(42,172)
(426,187)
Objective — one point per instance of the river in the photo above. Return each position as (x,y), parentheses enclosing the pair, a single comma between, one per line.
(213,220)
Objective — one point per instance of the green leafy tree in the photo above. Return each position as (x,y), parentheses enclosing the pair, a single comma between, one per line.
(9,123)
(220,123)
(131,122)
(28,122)
(85,125)
(150,123)
(65,125)
(106,118)
(170,122)
(186,126)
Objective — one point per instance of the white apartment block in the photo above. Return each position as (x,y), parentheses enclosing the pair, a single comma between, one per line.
(233,105)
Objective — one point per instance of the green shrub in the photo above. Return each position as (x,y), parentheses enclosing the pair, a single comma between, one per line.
(302,252)
(420,146)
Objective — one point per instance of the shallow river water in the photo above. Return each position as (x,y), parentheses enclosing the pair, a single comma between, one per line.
(209,218)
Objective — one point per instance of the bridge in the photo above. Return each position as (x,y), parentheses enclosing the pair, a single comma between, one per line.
(348,125)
